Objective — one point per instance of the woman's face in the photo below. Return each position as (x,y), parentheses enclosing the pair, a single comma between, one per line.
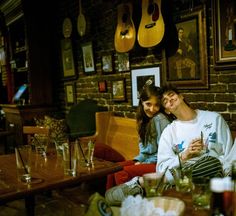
(151,106)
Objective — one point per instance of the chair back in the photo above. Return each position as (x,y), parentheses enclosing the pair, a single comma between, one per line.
(81,118)
(34,133)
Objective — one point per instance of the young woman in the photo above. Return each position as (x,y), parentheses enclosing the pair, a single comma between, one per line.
(150,124)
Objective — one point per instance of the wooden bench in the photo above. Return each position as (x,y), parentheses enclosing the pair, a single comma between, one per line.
(119,133)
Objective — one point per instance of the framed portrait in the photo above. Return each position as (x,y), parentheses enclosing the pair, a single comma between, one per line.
(224,33)
(141,77)
(107,63)
(88,60)
(102,86)
(70,93)
(67,59)
(123,62)
(118,90)
(188,68)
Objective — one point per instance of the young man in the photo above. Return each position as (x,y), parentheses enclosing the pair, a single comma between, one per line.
(201,138)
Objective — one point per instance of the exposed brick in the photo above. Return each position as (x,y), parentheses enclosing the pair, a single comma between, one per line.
(225,97)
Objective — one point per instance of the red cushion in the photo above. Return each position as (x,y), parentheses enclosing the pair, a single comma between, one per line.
(107,153)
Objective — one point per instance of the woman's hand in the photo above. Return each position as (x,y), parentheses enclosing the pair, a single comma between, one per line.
(194,149)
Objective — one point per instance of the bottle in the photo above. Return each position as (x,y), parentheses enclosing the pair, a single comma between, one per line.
(217,202)
(233,176)
(228,195)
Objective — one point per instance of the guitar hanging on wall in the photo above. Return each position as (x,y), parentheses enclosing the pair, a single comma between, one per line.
(81,22)
(151,29)
(125,34)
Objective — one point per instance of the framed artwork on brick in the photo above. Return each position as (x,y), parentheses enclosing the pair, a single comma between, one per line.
(141,77)
(188,67)
(224,29)
(123,63)
(107,63)
(102,86)
(70,93)
(88,59)
(68,59)
(118,90)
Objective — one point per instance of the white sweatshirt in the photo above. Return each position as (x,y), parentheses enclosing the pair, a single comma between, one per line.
(179,134)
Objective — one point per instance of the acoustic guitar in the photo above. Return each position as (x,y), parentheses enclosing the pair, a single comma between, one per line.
(151,29)
(81,22)
(125,34)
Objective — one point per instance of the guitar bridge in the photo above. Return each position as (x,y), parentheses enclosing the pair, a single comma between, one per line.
(150,25)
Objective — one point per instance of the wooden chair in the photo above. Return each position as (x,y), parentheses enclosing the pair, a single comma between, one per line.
(35,134)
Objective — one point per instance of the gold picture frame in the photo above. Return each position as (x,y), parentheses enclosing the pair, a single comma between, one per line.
(70,93)
(188,67)
(118,90)
(68,59)
(224,29)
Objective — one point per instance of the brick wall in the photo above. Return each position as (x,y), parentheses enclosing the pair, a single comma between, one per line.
(101,17)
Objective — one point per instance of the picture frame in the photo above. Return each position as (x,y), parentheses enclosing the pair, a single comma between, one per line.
(118,90)
(188,67)
(123,63)
(141,77)
(70,93)
(68,59)
(88,58)
(107,64)
(224,29)
(102,86)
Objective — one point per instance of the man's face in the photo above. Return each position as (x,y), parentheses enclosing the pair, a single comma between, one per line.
(170,101)
(180,33)
(151,107)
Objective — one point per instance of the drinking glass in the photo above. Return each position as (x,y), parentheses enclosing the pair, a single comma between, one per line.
(183,179)
(23,163)
(70,158)
(201,194)
(153,184)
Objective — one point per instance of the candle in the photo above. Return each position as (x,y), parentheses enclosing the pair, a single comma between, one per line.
(230,34)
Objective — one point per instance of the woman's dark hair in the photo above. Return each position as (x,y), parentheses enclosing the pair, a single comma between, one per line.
(143,121)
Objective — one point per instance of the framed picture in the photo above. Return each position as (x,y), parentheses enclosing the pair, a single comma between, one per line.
(123,62)
(187,68)
(67,59)
(70,93)
(141,77)
(88,59)
(118,90)
(107,64)
(224,33)
(102,86)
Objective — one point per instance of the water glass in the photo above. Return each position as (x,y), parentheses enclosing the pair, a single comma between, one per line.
(70,158)
(41,145)
(201,194)
(183,179)
(90,152)
(153,184)
(23,163)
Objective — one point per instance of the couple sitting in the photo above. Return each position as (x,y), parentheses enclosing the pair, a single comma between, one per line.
(190,132)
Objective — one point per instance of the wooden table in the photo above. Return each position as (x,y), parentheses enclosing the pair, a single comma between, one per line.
(50,170)
(187,198)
